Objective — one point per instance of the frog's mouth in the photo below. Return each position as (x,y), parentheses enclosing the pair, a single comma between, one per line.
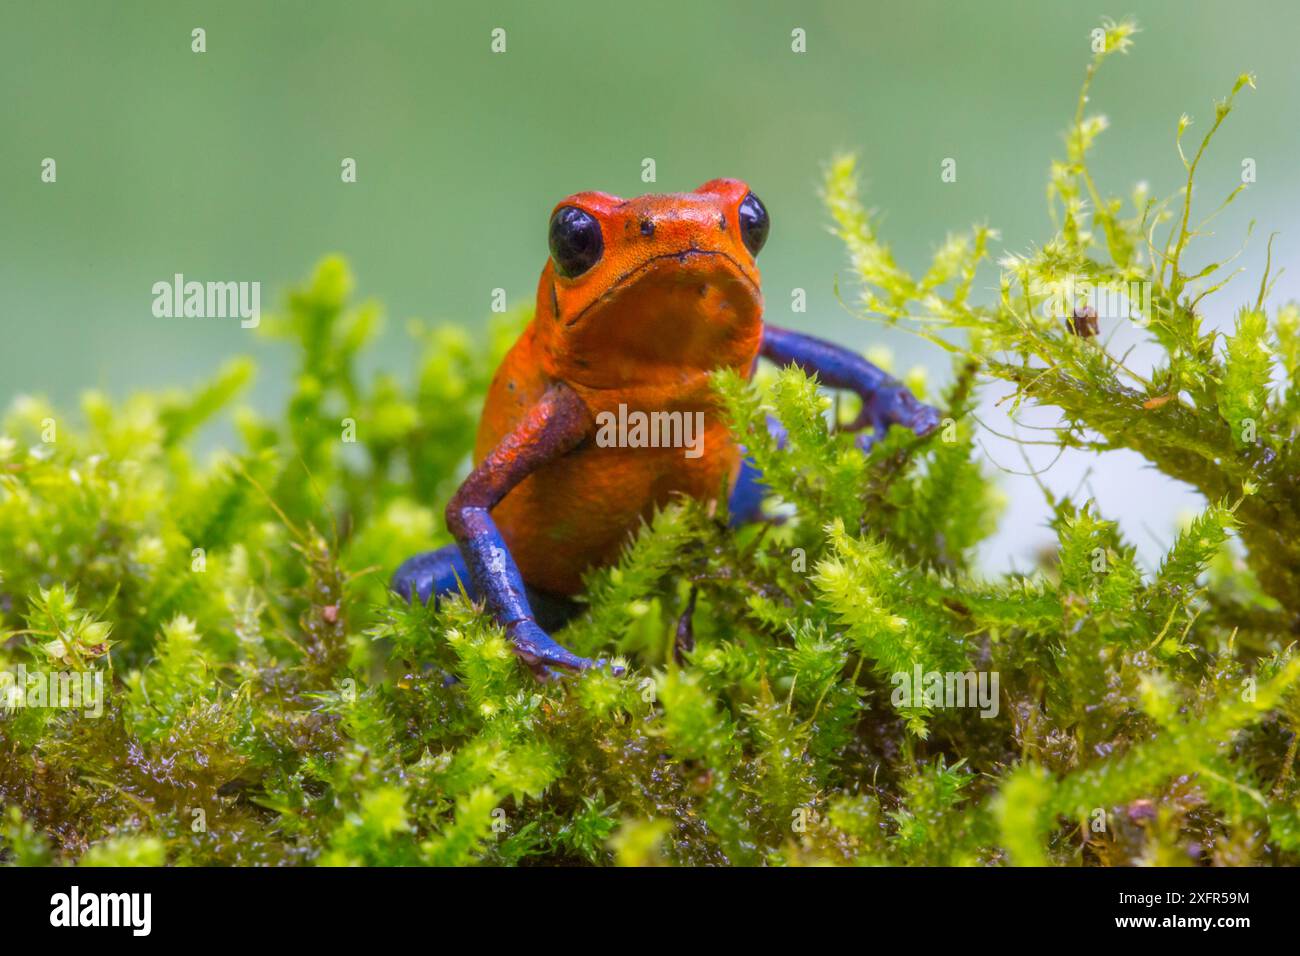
(700,268)
(670,317)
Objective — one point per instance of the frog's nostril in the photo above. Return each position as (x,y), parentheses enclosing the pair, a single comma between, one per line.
(647,227)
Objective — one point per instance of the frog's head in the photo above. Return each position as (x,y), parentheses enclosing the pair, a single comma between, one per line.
(650,289)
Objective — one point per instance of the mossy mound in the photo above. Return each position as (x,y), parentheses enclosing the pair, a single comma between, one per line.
(268,702)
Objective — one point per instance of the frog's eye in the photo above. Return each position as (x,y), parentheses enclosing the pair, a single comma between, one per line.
(576,243)
(753,224)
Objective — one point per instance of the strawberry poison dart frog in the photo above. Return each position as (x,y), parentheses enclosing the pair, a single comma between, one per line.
(640,301)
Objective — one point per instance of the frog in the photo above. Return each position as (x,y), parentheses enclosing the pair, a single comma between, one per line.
(639,303)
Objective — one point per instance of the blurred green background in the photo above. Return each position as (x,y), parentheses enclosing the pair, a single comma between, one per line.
(225,165)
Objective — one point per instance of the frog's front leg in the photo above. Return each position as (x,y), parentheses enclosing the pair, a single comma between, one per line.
(556,425)
(885,400)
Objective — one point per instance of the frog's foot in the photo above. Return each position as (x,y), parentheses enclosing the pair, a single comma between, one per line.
(885,400)
(892,406)
(543,654)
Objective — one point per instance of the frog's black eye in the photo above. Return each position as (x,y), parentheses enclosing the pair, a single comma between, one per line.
(753,224)
(576,243)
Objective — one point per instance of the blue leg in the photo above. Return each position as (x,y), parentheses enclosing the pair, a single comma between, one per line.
(434,574)
(747,496)
(885,400)
(555,426)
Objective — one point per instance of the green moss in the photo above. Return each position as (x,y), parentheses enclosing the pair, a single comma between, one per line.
(267,700)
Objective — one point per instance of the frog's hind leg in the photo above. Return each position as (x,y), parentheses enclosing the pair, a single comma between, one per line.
(746,503)
(434,574)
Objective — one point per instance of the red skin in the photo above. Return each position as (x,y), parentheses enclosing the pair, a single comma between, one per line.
(643,327)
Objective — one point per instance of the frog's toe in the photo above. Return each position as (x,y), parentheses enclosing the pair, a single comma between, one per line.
(894,405)
(925,419)
(900,407)
(547,675)
(866,441)
(541,652)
